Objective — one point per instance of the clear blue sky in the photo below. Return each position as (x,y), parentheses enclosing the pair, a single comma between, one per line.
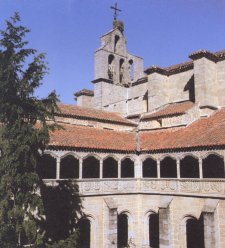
(163,32)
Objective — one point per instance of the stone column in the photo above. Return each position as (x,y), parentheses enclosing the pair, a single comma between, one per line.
(101,168)
(200,168)
(158,168)
(165,239)
(178,168)
(138,168)
(80,168)
(119,168)
(57,168)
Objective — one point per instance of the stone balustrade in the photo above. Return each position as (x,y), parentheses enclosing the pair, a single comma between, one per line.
(193,187)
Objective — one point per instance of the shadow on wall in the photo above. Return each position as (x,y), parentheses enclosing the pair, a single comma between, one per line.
(63,207)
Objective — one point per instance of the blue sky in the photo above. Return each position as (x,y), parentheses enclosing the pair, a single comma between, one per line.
(163,32)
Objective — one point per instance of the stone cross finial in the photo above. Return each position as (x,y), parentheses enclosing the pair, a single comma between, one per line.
(115,10)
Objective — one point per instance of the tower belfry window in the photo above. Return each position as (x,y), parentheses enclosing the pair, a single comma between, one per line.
(116,43)
(110,66)
(121,70)
(131,69)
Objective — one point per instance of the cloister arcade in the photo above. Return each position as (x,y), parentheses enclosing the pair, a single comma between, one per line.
(92,166)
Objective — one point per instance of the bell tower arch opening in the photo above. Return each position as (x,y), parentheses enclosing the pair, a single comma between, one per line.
(116,43)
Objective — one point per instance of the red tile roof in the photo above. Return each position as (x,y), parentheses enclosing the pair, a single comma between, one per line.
(92,138)
(170,110)
(94,114)
(203,133)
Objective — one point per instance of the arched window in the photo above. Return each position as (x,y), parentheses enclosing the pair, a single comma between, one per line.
(127,168)
(195,233)
(154,230)
(131,69)
(122,231)
(69,167)
(121,71)
(46,167)
(111,67)
(149,168)
(116,43)
(168,168)
(213,167)
(110,168)
(189,167)
(91,167)
(84,239)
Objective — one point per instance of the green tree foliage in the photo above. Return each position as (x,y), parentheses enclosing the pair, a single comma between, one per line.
(21,112)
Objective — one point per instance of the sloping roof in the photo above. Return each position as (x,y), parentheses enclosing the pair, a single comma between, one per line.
(170,110)
(203,133)
(72,136)
(94,114)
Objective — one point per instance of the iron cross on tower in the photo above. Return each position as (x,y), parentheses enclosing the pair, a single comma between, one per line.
(115,10)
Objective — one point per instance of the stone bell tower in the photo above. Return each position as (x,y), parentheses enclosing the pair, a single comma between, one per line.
(113,62)
(114,67)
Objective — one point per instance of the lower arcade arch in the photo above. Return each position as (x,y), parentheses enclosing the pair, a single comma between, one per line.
(122,230)
(84,228)
(69,167)
(153,230)
(194,232)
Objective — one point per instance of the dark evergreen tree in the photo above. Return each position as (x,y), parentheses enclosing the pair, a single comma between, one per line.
(24,133)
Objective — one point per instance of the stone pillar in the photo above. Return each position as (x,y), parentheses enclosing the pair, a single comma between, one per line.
(80,168)
(57,168)
(101,168)
(178,168)
(158,168)
(112,225)
(165,239)
(209,223)
(200,168)
(209,230)
(119,168)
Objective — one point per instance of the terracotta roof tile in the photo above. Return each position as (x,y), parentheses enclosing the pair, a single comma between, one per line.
(92,138)
(170,110)
(89,113)
(203,133)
